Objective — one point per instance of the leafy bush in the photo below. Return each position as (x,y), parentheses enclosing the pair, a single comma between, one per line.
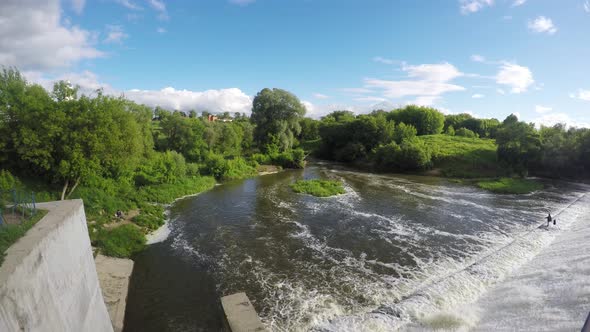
(7,180)
(122,241)
(404,132)
(464,132)
(350,152)
(450,131)
(319,188)
(410,155)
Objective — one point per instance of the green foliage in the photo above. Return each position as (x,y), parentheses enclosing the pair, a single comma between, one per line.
(319,188)
(404,132)
(450,130)
(410,155)
(228,169)
(151,217)
(123,241)
(9,234)
(482,127)
(426,120)
(464,132)
(463,157)
(518,144)
(510,186)
(161,167)
(310,129)
(7,180)
(166,193)
(276,114)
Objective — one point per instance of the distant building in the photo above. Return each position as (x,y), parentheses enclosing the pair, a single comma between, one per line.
(211,118)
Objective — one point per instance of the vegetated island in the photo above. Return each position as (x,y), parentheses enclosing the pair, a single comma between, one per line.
(510,185)
(318,188)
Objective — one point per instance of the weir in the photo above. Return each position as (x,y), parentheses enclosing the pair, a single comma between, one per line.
(240,314)
(48,281)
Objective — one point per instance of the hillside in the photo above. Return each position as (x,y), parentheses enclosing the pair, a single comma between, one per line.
(457,156)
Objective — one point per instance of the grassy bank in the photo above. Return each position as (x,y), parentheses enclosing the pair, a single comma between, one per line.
(9,234)
(510,186)
(318,188)
(463,157)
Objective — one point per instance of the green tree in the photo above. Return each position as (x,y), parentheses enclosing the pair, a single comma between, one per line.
(404,132)
(276,113)
(426,120)
(518,144)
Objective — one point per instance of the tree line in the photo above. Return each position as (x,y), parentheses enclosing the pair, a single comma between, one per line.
(390,141)
(66,139)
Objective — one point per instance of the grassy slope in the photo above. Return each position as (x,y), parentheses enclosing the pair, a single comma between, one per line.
(463,157)
(319,188)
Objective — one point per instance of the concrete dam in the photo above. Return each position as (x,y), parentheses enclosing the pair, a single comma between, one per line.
(49,281)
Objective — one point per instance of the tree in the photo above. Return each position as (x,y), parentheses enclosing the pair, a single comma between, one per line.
(426,120)
(192,114)
(276,113)
(404,132)
(518,144)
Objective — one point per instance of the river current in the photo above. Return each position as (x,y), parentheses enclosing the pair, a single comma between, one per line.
(389,254)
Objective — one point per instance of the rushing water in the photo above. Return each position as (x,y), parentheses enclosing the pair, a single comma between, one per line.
(384,255)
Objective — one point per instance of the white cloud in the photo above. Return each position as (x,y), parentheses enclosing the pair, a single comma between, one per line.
(78,5)
(517,77)
(477,96)
(542,24)
(478,58)
(161,30)
(33,37)
(242,2)
(383,60)
(555,118)
(371,99)
(587,6)
(320,96)
(223,100)
(542,109)
(581,94)
(427,82)
(472,6)
(115,34)
(160,7)
(356,91)
(517,3)
(129,4)
(501,91)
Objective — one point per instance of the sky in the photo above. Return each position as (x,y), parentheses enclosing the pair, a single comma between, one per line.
(489,58)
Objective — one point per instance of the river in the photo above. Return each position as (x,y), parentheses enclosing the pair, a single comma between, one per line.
(387,254)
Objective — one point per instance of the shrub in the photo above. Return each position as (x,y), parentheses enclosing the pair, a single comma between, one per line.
(350,152)
(122,241)
(410,155)
(450,131)
(465,133)
(404,132)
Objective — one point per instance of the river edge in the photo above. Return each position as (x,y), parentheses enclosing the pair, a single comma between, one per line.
(162,232)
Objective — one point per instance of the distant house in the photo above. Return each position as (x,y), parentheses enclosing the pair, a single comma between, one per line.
(211,118)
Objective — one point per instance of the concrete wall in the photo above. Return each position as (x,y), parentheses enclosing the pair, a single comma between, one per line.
(48,281)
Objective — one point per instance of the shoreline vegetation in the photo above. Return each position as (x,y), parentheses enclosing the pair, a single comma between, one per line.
(318,187)
(118,155)
(10,233)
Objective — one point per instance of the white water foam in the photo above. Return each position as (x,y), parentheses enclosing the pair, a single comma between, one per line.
(431,305)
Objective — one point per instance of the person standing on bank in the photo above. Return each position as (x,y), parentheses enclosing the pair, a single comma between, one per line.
(549,219)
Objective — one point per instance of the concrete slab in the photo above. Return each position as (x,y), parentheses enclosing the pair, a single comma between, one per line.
(113,276)
(240,314)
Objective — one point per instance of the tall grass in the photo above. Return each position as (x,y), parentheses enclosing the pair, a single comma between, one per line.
(319,188)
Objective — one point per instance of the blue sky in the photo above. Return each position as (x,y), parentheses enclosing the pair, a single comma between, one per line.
(487,57)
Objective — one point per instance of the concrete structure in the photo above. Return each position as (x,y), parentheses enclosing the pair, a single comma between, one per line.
(48,281)
(114,275)
(240,314)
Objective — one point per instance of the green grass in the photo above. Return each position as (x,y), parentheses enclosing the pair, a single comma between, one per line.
(463,157)
(319,188)
(510,186)
(9,234)
(167,193)
(122,241)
